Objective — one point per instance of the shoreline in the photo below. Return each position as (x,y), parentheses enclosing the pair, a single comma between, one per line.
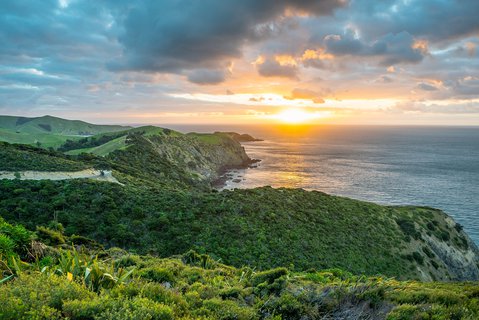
(233,174)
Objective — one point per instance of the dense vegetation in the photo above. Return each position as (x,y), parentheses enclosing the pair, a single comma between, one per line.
(23,157)
(87,282)
(261,227)
(89,142)
(195,253)
(48,131)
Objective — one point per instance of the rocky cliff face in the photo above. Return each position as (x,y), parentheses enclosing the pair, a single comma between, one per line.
(203,156)
(197,159)
(439,247)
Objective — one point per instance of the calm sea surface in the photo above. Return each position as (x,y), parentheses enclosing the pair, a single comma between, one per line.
(432,166)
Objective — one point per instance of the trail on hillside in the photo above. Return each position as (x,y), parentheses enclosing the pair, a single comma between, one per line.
(60,175)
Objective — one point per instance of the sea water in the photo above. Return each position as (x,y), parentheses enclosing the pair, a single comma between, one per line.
(427,166)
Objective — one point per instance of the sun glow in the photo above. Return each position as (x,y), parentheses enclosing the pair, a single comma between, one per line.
(294,116)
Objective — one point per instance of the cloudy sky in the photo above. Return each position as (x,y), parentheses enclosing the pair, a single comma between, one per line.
(248,61)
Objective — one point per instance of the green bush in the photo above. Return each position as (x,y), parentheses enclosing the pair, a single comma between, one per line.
(7,245)
(226,310)
(157,274)
(137,309)
(158,293)
(287,306)
(49,236)
(408,228)
(268,276)
(34,293)
(418,257)
(17,233)
(85,309)
(106,308)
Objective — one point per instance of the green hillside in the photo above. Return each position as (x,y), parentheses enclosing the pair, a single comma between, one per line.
(105,143)
(262,253)
(172,210)
(48,131)
(75,278)
(24,157)
(262,228)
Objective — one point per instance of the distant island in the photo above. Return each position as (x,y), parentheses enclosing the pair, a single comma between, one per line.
(144,199)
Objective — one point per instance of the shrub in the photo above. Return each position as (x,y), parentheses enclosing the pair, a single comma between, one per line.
(108,309)
(428,252)
(408,228)
(158,293)
(226,310)
(286,305)
(201,260)
(268,276)
(233,292)
(270,282)
(18,234)
(37,294)
(128,261)
(49,236)
(85,309)
(418,257)
(6,245)
(157,274)
(444,236)
(84,241)
(137,309)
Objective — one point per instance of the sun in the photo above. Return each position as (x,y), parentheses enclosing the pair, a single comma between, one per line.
(295,116)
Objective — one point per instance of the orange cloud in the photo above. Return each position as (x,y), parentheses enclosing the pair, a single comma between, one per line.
(305,94)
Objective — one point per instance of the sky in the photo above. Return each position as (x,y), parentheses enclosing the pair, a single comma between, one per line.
(249,61)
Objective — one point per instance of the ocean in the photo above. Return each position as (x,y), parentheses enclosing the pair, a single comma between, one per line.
(426,166)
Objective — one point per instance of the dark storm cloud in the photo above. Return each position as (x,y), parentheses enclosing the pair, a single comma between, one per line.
(391,48)
(52,52)
(437,20)
(343,44)
(172,36)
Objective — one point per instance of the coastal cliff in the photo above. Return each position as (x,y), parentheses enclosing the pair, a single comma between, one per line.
(165,192)
(197,159)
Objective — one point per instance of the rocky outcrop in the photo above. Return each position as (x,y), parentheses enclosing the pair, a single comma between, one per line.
(460,260)
(439,247)
(203,157)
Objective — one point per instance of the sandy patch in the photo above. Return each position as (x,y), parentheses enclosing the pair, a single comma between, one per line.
(60,175)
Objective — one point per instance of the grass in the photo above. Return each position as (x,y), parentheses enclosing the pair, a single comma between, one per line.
(48,131)
(38,139)
(262,227)
(104,149)
(23,157)
(209,138)
(115,284)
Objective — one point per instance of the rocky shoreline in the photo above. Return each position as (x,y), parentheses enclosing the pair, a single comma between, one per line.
(233,174)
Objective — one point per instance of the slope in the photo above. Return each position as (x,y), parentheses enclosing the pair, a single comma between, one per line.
(88,282)
(48,131)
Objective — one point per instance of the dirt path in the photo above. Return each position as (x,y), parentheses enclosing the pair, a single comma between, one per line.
(60,175)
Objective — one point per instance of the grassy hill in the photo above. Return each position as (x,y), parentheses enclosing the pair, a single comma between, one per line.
(92,283)
(48,131)
(262,227)
(164,209)
(262,253)
(105,143)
